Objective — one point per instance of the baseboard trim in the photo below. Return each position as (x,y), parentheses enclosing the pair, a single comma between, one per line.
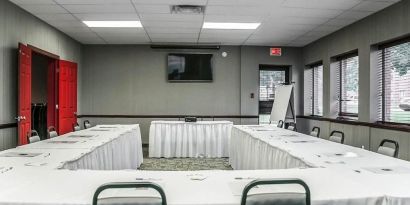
(8,125)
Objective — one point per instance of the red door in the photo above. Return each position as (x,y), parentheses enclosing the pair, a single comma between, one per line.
(67,96)
(24,94)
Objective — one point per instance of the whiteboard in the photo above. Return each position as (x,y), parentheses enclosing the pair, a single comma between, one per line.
(281,105)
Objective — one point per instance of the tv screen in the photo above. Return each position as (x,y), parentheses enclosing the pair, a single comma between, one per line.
(189,67)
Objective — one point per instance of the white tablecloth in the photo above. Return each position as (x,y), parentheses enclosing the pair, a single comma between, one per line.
(65,187)
(189,139)
(268,147)
(104,147)
(343,175)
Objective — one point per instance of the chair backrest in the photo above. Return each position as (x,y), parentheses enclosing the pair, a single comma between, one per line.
(388,151)
(315,132)
(286,198)
(280,124)
(76,127)
(292,126)
(33,136)
(87,124)
(340,138)
(51,132)
(131,200)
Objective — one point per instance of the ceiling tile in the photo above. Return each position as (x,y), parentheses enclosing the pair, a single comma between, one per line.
(85,2)
(171,24)
(234,10)
(171,30)
(43,8)
(234,18)
(322,4)
(170,2)
(171,17)
(19,2)
(53,17)
(119,31)
(283,22)
(101,8)
(153,9)
(173,36)
(245,2)
(174,40)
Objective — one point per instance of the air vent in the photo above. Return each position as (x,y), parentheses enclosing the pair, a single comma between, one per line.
(187,9)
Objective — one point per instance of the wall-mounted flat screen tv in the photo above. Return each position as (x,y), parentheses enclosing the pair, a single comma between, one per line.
(189,67)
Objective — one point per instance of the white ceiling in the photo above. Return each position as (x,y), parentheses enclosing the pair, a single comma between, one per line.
(284,22)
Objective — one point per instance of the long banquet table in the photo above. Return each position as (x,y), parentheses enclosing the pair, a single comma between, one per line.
(189,139)
(104,147)
(347,179)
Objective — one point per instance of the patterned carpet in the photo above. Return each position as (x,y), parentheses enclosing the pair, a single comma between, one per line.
(185,164)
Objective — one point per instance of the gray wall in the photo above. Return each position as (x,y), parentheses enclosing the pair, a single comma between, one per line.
(388,24)
(16,25)
(131,80)
(251,57)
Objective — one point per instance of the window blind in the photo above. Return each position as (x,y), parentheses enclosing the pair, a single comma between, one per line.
(394,83)
(347,75)
(317,100)
(314,90)
(308,91)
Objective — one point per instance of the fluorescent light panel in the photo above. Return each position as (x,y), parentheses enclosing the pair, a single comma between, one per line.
(232,26)
(113,24)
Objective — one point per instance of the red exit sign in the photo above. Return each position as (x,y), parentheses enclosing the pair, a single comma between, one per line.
(276,51)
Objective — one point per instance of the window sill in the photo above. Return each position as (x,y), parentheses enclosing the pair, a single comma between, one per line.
(379,125)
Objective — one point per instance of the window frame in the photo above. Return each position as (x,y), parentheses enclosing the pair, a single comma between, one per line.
(382,48)
(339,60)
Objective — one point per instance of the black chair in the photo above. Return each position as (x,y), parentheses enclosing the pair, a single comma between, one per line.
(51,132)
(76,127)
(33,136)
(292,126)
(335,138)
(315,132)
(130,200)
(287,198)
(87,124)
(388,151)
(280,124)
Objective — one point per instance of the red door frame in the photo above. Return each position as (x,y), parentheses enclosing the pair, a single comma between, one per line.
(53,94)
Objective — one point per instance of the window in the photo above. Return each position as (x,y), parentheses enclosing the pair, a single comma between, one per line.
(270,77)
(348,85)
(314,90)
(394,77)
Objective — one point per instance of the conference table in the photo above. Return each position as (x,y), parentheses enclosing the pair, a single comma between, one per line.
(104,147)
(269,147)
(335,173)
(189,139)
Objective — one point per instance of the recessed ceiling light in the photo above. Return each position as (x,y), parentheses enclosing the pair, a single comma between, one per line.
(113,24)
(214,25)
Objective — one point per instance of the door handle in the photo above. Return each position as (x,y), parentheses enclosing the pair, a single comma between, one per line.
(18,118)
